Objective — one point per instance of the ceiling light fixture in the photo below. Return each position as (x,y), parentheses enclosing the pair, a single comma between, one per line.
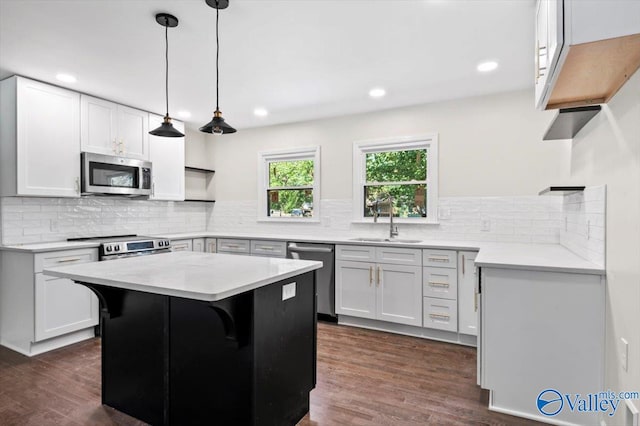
(166,129)
(67,78)
(260,112)
(378,92)
(487,66)
(217,126)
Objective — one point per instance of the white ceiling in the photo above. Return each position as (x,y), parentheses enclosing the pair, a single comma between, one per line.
(300,59)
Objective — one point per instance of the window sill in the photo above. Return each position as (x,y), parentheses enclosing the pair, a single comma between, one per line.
(403,221)
(286,219)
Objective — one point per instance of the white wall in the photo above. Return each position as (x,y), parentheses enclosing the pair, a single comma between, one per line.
(607,151)
(489,145)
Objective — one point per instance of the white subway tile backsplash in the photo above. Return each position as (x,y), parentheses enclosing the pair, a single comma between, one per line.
(512,219)
(585,230)
(27,220)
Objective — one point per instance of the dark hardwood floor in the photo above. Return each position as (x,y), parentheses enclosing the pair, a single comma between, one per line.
(364,378)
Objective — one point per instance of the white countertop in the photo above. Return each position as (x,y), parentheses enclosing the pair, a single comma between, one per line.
(200,276)
(550,257)
(54,246)
(536,257)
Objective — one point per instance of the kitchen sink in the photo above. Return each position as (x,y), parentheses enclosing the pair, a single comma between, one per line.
(384,240)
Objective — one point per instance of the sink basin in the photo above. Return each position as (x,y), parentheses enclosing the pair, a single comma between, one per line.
(385,240)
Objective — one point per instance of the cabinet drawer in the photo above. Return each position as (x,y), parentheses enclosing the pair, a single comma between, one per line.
(440,313)
(439,258)
(62,258)
(398,256)
(268,248)
(440,282)
(356,253)
(182,245)
(226,245)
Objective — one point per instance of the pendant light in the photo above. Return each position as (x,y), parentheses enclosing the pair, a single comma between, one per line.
(166,129)
(217,126)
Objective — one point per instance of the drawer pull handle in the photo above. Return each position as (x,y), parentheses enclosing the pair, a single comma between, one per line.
(438,284)
(265,248)
(439,259)
(440,316)
(69,260)
(233,246)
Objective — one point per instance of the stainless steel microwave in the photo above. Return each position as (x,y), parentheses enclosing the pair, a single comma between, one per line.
(107,174)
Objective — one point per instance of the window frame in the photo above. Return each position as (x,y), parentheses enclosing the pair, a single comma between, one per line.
(362,148)
(293,154)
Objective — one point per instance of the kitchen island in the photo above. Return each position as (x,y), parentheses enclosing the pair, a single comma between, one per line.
(197,338)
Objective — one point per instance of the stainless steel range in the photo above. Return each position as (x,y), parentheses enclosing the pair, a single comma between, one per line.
(120,246)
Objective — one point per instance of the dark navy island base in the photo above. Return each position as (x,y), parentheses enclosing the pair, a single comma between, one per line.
(249,359)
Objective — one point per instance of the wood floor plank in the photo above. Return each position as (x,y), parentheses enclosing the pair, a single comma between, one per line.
(365,377)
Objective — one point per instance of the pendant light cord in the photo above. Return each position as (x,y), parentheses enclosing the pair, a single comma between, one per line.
(166,59)
(217,55)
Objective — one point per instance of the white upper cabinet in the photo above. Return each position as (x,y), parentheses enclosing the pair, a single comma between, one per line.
(112,129)
(40,139)
(584,50)
(167,156)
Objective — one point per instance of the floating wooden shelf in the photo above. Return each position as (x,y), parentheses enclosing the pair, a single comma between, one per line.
(200,201)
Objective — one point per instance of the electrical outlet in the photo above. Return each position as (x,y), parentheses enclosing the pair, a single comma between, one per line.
(624,354)
(54,225)
(485,225)
(288,291)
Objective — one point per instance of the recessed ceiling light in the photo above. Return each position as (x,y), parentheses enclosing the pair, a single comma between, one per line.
(184,114)
(260,112)
(487,66)
(378,92)
(66,78)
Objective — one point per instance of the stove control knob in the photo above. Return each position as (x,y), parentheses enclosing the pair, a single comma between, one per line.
(117,248)
(108,248)
(161,244)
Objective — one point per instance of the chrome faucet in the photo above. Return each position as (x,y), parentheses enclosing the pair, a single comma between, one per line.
(388,198)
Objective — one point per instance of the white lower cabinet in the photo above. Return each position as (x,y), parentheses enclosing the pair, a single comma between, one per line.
(210,245)
(234,246)
(182,245)
(467,293)
(39,312)
(441,314)
(198,244)
(546,330)
(382,291)
(261,248)
(355,289)
(54,297)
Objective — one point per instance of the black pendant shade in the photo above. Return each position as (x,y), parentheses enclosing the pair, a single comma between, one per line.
(166,129)
(217,125)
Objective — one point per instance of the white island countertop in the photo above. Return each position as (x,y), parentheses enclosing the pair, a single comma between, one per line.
(199,276)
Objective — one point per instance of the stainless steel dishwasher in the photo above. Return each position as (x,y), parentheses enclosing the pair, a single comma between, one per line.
(325,281)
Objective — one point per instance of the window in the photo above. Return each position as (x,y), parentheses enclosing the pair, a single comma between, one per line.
(403,169)
(289,184)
